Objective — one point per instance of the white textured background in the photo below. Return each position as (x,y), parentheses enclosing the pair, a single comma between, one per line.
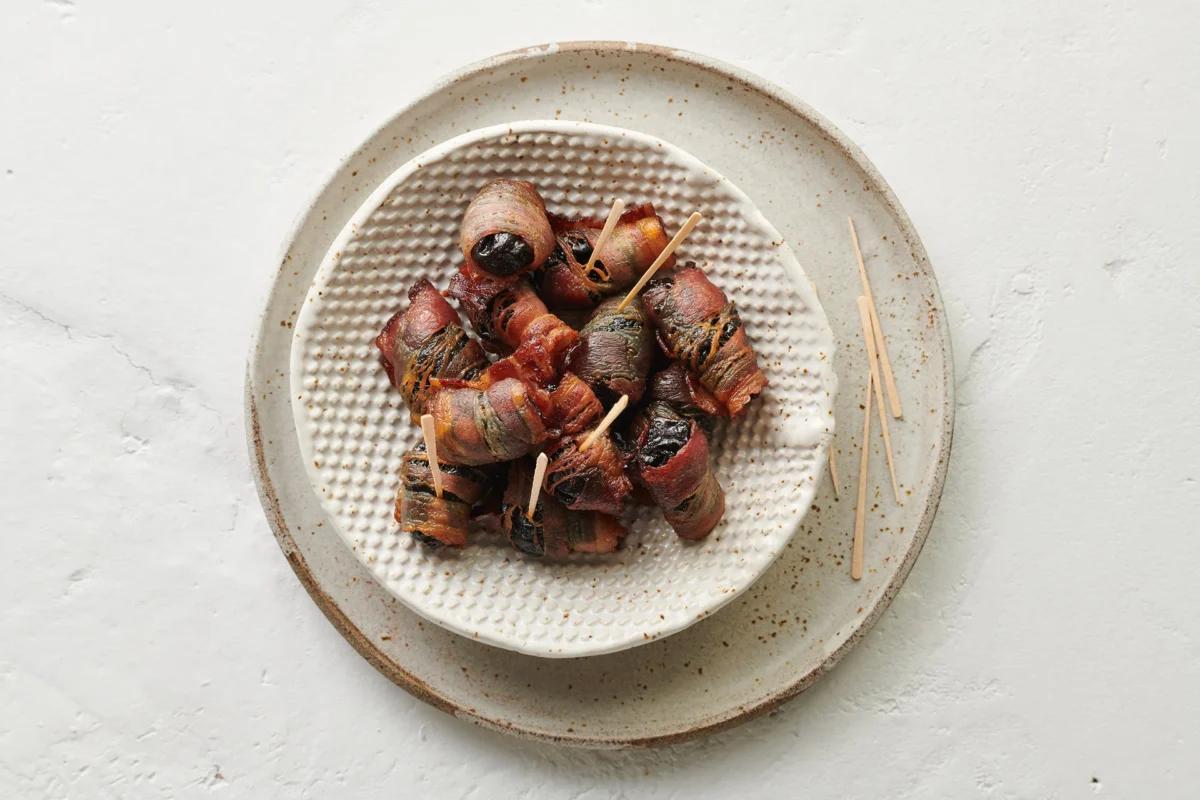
(153,641)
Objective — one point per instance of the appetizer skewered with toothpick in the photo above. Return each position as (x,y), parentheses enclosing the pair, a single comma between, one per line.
(549,385)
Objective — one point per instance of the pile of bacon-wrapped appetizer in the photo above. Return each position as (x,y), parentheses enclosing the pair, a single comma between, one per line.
(529,383)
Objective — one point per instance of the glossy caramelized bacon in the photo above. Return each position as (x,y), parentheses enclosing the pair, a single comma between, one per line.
(482,426)
(505,230)
(507,314)
(677,386)
(588,480)
(616,349)
(575,406)
(554,532)
(424,342)
(699,326)
(436,521)
(673,464)
(565,282)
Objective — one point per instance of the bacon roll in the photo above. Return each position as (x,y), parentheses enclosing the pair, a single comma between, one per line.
(699,326)
(424,342)
(505,230)
(436,521)
(508,314)
(616,349)
(677,386)
(575,406)
(565,282)
(673,464)
(554,532)
(482,426)
(587,480)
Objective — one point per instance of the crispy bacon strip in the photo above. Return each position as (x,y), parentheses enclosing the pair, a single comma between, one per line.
(677,386)
(616,349)
(436,521)
(592,480)
(508,315)
(638,238)
(554,532)
(576,407)
(424,342)
(673,464)
(481,426)
(699,326)
(505,231)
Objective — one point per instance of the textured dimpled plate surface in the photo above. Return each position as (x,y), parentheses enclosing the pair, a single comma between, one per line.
(354,428)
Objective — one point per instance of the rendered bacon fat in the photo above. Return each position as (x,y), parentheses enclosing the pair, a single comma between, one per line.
(565,282)
(482,426)
(435,521)
(509,314)
(554,532)
(591,480)
(699,326)
(425,342)
(505,230)
(673,464)
(615,351)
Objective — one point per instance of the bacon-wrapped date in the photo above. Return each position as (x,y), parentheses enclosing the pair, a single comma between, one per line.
(424,342)
(482,426)
(564,280)
(575,406)
(436,521)
(554,532)
(677,386)
(588,480)
(616,349)
(699,326)
(505,230)
(673,464)
(509,314)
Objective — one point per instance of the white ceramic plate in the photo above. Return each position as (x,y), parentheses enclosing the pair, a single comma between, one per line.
(353,427)
(795,623)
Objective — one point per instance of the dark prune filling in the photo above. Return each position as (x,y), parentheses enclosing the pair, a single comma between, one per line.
(581,248)
(502,253)
(525,534)
(428,541)
(568,490)
(663,440)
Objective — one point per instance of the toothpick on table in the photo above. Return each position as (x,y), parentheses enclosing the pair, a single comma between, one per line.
(692,221)
(612,414)
(860,510)
(618,208)
(889,379)
(833,468)
(539,472)
(864,314)
(431,451)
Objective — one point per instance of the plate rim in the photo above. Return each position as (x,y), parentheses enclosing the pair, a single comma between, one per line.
(793,270)
(268,495)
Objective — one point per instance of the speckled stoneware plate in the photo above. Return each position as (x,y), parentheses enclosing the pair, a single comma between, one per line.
(802,615)
(354,428)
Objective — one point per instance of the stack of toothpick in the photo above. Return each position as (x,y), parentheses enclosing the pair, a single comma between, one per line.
(879,381)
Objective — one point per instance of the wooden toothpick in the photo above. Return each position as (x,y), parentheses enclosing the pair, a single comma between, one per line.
(431,451)
(618,208)
(860,510)
(612,414)
(833,472)
(881,345)
(539,472)
(672,245)
(864,314)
